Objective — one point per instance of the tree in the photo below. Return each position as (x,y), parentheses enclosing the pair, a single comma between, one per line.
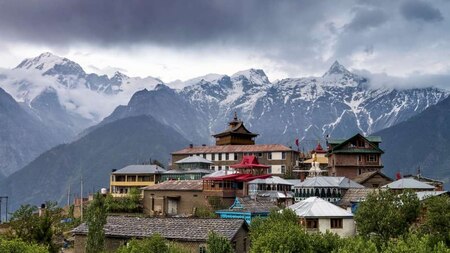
(324,243)
(18,246)
(413,243)
(24,222)
(437,219)
(386,215)
(356,244)
(218,244)
(96,220)
(280,232)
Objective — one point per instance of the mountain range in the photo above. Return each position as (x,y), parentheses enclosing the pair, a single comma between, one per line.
(52,101)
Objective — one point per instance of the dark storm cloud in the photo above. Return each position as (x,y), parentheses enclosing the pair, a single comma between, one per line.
(134,21)
(418,10)
(366,18)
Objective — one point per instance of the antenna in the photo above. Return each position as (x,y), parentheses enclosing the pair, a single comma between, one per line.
(81,203)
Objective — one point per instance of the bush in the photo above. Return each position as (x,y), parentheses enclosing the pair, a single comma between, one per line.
(153,244)
(19,246)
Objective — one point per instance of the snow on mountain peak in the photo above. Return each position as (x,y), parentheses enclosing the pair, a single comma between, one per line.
(43,62)
(257,76)
(337,69)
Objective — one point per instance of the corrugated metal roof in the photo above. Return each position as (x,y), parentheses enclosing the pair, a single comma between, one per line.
(176,185)
(315,207)
(426,194)
(271,180)
(140,169)
(233,149)
(185,229)
(340,182)
(194,159)
(408,183)
(202,171)
(221,173)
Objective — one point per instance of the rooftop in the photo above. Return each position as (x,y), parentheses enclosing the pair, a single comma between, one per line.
(355,195)
(140,169)
(369,138)
(315,207)
(427,194)
(361,178)
(193,171)
(271,180)
(193,159)
(233,149)
(182,229)
(176,185)
(256,205)
(408,183)
(338,182)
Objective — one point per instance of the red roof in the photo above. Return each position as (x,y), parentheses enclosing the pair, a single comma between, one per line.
(319,149)
(234,149)
(249,162)
(238,177)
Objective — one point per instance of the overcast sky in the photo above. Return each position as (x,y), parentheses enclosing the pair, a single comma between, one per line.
(183,39)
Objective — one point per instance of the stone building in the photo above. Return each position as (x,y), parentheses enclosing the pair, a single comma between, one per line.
(235,143)
(354,156)
(174,198)
(189,233)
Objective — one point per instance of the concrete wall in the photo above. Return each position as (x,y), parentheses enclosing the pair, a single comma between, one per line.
(158,203)
(348,227)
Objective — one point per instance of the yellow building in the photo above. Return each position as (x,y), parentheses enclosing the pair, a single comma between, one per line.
(134,176)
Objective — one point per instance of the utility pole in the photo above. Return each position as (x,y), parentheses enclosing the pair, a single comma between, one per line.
(81,203)
(68,197)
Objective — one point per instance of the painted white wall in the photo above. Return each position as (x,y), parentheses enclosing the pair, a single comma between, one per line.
(348,227)
(208,157)
(276,155)
(231,157)
(276,169)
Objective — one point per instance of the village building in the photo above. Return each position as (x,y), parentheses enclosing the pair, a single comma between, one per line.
(247,208)
(408,184)
(189,168)
(235,143)
(439,185)
(318,215)
(227,187)
(174,198)
(277,189)
(354,156)
(353,197)
(133,176)
(189,233)
(329,188)
(373,179)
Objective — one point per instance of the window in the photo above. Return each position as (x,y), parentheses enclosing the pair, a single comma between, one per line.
(227,157)
(202,249)
(360,143)
(283,155)
(283,169)
(269,155)
(336,223)
(219,157)
(235,156)
(213,157)
(204,156)
(360,158)
(220,167)
(371,158)
(259,154)
(312,223)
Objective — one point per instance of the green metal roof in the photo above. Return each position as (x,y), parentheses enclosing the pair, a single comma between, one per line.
(358,150)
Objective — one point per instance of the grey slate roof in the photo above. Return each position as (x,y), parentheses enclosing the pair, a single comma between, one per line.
(323,182)
(176,185)
(408,183)
(140,169)
(202,171)
(355,195)
(257,205)
(194,159)
(181,229)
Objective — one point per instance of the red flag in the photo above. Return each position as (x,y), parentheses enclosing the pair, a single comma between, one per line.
(296,142)
(398,175)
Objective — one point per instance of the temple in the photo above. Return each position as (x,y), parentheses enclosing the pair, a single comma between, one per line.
(236,134)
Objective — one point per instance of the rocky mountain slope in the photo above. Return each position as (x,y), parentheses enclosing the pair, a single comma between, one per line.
(128,141)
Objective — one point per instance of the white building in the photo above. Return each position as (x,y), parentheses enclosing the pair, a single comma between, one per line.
(318,215)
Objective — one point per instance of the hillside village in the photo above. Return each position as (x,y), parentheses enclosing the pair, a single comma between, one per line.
(226,187)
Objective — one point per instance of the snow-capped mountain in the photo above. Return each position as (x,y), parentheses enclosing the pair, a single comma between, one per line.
(338,104)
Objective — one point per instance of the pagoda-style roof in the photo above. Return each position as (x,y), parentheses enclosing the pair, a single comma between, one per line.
(319,149)
(236,134)
(249,162)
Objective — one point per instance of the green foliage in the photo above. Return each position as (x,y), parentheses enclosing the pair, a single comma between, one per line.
(127,204)
(412,243)
(324,243)
(437,219)
(218,244)
(356,244)
(32,228)
(280,232)
(216,202)
(19,246)
(384,215)
(153,244)
(204,212)
(96,220)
